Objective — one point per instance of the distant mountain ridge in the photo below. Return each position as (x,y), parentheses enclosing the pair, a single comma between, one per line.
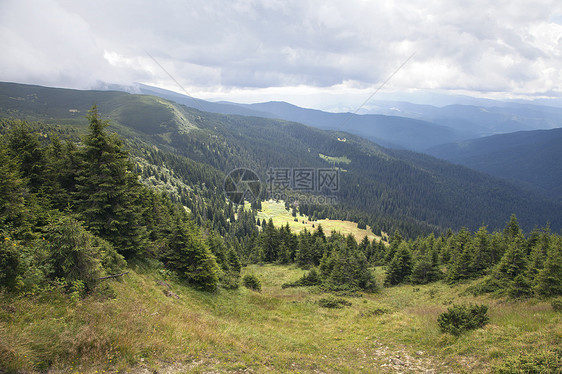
(389,131)
(488,118)
(394,124)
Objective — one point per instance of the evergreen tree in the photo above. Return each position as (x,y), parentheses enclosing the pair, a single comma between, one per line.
(64,163)
(513,262)
(400,267)
(346,268)
(108,192)
(189,256)
(512,229)
(269,242)
(426,268)
(25,146)
(11,191)
(482,257)
(394,242)
(461,268)
(549,279)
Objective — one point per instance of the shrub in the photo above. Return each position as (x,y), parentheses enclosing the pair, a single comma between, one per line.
(557,304)
(230,280)
(333,302)
(460,318)
(10,263)
(251,282)
(546,362)
(312,278)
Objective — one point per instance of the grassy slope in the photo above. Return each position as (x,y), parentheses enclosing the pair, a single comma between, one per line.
(281,216)
(277,330)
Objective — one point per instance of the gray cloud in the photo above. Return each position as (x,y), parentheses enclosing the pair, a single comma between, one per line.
(217,47)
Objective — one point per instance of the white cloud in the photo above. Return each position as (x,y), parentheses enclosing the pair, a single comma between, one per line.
(293,48)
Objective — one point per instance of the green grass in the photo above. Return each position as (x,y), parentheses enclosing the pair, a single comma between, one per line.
(281,216)
(335,160)
(275,330)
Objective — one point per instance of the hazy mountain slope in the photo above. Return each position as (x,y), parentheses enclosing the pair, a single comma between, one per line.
(530,157)
(488,118)
(389,189)
(399,132)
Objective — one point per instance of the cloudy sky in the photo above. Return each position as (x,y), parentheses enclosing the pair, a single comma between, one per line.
(323,54)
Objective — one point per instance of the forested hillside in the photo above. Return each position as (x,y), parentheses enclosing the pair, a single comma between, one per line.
(532,158)
(384,189)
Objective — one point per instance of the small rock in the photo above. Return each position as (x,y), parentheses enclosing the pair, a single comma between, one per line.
(164,284)
(171,294)
(396,361)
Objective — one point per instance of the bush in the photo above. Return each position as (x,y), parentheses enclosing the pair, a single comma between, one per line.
(461,318)
(557,304)
(547,362)
(230,280)
(251,282)
(312,278)
(333,302)
(10,263)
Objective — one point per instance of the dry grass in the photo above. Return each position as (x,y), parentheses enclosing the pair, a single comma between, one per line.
(275,330)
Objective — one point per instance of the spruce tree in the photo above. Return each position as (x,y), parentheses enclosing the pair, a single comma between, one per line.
(482,258)
(426,268)
(108,192)
(11,191)
(400,267)
(189,256)
(269,242)
(548,281)
(461,268)
(25,146)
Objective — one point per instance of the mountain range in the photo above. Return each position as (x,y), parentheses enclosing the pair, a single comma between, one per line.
(386,188)
(395,124)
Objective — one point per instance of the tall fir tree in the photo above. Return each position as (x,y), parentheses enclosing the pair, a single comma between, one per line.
(108,191)
(400,267)
(548,281)
(188,255)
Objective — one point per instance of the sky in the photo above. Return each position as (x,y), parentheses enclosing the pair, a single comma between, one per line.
(330,55)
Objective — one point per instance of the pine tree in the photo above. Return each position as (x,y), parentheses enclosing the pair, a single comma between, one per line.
(393,247)
(25,146)
(269,242)
(482,258)
(11,191)
(512,229)
(548,281)
(461,268)
(426,268)
(400,267)
(189,256)
(108,192)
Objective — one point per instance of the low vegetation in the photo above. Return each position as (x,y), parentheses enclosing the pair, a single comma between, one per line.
(460,318)
(152,321)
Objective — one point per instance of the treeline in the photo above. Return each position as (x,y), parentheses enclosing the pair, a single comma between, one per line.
(73,213)
(337,262)
(507,262)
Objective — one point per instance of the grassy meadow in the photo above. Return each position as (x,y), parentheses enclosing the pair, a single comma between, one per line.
(146,322)
(276,211)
